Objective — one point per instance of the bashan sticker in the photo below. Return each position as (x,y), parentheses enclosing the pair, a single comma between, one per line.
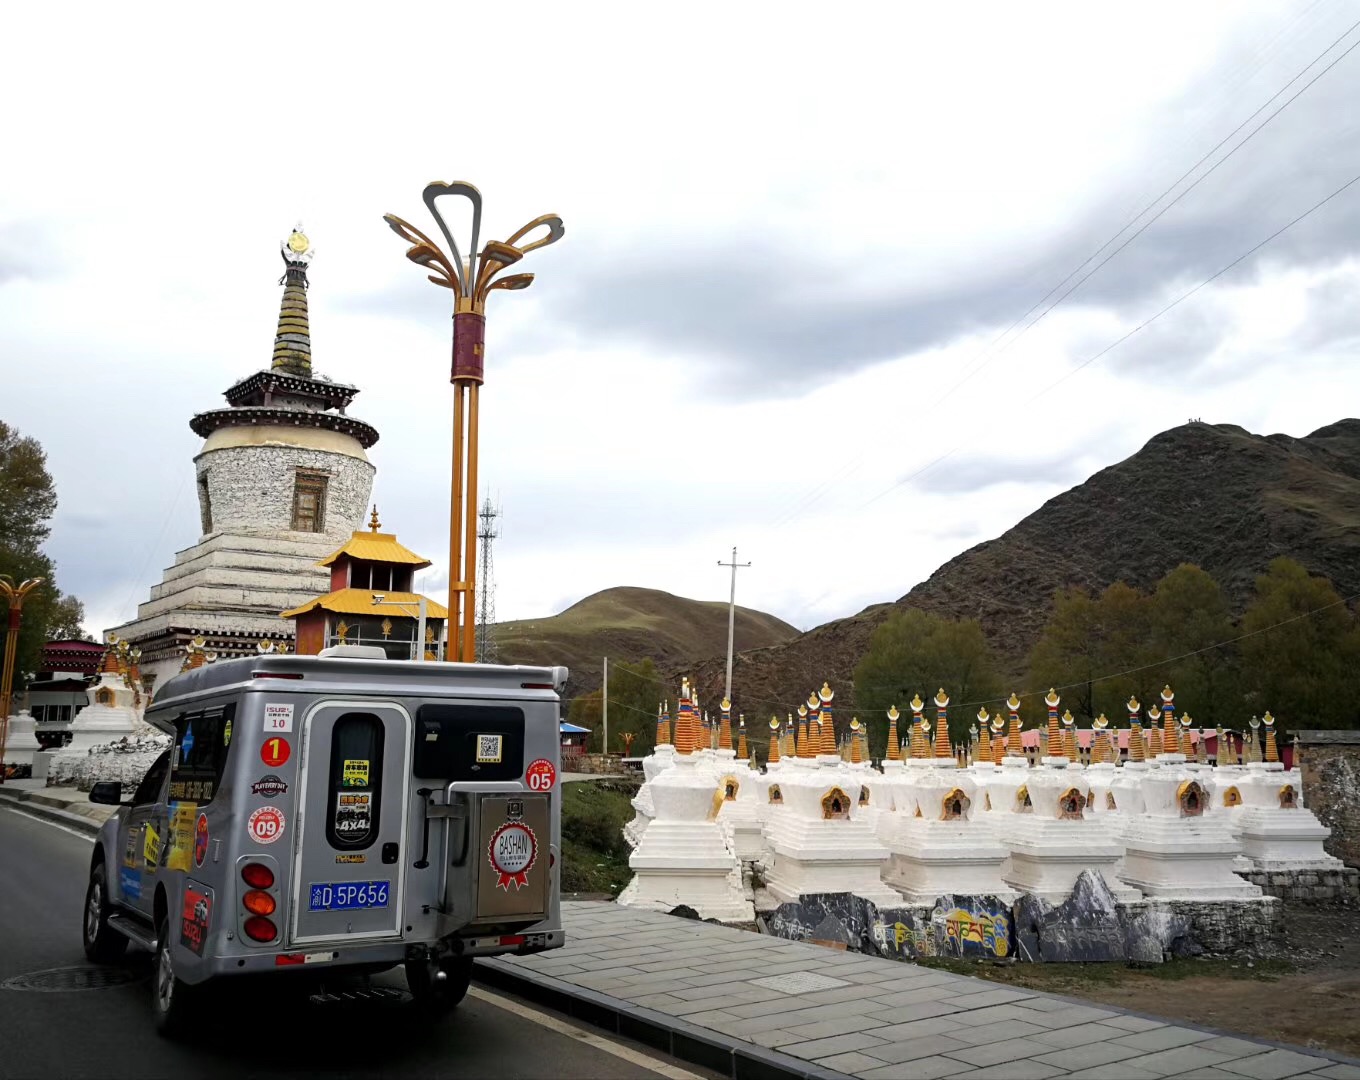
(278,718)
(196,917)
(513,850)
(266,824)
(275,752)
(355,773)
(269,787)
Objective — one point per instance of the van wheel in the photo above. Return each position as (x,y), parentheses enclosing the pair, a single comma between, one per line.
(103,944)
(436,995)
(171,997)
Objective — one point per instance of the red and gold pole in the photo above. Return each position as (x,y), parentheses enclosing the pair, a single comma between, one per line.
(14,595)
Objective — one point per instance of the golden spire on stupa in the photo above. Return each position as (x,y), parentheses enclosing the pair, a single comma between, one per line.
(1100,741)
(984,749)
(1272,750)
(1155,748)
(293,340)
(663,725)
(917,744)
(800,745)
(1171,739)
(1069,735)
(1055,739)
(773,756)
(894,752)
(998,739)
(855,756)
(742,751)
(725,733)
(1014,743)
(827,717)
(942,747)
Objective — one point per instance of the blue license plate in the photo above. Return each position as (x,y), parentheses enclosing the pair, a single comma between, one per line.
(343,895)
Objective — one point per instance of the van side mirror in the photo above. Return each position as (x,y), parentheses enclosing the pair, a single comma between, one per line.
(107,792)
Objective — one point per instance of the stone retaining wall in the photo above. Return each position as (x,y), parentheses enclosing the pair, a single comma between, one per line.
(1331,788)
(1310,886)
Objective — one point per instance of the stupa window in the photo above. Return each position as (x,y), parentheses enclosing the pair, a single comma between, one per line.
(205,504)
(863,795)
(1191,798)
(103,696)
(954,806)
(729,790)
(776,796)
(1070,805)
(1289,798)
(835,804)
(1232,797)
(1109,801)
(1023,803)
(309,502)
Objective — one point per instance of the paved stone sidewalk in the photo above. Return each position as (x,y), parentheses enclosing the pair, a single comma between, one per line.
(882,1019)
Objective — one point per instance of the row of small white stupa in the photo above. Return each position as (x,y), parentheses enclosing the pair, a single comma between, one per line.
(823,820)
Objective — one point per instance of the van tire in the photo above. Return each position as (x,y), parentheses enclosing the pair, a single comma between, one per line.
(103,944)
(171,997)
(438,996)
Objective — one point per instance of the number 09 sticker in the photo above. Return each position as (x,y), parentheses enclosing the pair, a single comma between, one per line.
(266,824)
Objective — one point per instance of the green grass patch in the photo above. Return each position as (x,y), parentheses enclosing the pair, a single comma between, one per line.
(594,854)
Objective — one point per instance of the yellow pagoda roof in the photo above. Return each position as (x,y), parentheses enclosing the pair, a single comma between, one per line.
(376,547)
(360,602)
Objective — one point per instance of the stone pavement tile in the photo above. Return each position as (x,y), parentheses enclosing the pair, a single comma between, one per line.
(853,1062)
(993,1014)
(905,997)
(713,990)
(774,1039)
(670,968)
(998,1053)
(844,1026)
(1162,1038)
(1134,1023)
(795,1019)
(920,1069)
(1014,1070)
(1088,1056)
(1039,1003)
(1066,1017)
(1059,1038)
(920,1010)
(914,1049)
(1227,1044)
(716,1019)
(835,1044)
(984,998)
(689,1008)
(1180,1059)
(660,1002)
(763,1008)
(831,997)
(1338,1072)
(717,978)
(634,986)
(1123,1071)
(1208,1073)
(1276,1064)
(914,1029)
(1002,1029)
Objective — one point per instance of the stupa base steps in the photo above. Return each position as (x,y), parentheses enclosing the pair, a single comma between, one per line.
(790,877)
(1047,857)
(1183,859)
(711,893)
(938,858)
(1284,840)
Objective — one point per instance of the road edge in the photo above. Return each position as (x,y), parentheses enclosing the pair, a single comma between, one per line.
(38,807)
(669,1034)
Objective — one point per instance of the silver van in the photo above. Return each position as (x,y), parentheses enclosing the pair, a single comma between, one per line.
(336,813)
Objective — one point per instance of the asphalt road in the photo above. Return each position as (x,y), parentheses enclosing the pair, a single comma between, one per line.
(106,1033)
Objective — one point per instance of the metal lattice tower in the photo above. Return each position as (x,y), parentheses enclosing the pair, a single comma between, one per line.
(487,653)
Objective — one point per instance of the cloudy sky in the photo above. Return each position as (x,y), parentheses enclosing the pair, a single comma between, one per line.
(790,310)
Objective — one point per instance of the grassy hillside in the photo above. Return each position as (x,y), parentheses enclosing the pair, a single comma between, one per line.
(633,624)
(594,855)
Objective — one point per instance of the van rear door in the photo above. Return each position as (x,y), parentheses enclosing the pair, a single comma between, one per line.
(348,864)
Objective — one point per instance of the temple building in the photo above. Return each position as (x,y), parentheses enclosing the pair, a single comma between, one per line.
(282,478)
(371,601)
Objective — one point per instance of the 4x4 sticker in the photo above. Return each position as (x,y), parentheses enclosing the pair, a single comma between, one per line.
(354,816)
(269,787)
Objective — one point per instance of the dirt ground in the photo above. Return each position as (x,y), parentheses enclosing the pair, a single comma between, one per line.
(1304,990)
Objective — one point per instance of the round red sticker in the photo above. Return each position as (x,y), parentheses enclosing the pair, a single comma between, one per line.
(275,751)
(540,776)
(201,840)
(266,824)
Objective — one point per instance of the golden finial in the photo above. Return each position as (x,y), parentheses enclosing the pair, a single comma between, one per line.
(826,694)
(726,704)
(1052,698)
(1012,702)
(1167,695)
(1133,704)
(373,523)
(916,703)
(774,723)
(941,699)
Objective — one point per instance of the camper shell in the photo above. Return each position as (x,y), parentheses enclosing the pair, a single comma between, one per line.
(338,812)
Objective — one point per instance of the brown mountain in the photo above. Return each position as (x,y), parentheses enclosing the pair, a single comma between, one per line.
(634,624)
(1214,495)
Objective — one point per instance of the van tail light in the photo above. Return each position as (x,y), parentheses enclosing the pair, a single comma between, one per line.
(257,876)
(258,928)
(258,903)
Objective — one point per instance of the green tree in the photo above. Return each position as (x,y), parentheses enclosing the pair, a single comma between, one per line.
(915,652)
(27,502)
(635,689)
(1190,615)
(1086,646)
(67,620)
(1301,650)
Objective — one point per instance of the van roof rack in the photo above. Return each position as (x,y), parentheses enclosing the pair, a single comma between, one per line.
(355,652)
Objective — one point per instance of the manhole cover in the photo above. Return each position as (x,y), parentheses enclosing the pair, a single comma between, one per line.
(800,982)
(64,979)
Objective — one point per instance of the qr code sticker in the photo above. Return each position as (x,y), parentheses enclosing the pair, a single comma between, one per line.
(489,748)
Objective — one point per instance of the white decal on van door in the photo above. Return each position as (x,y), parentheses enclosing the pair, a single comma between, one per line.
(278,718)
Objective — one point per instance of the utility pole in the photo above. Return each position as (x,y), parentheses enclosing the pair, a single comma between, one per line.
(604,708)
(731,616)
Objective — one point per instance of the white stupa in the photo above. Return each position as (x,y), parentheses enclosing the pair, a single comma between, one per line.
(1276,830)
(653,765)
(738,812)
(683,856)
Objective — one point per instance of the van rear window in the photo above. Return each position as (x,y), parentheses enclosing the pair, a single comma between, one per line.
(356,769)
(469,742)
(202,740)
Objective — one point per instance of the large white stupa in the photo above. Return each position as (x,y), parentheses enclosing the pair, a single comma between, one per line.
(283,479)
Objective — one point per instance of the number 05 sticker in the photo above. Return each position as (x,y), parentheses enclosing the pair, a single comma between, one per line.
(540,776)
